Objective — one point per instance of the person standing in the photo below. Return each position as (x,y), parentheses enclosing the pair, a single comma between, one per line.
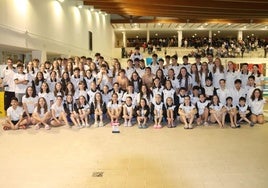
(7,81)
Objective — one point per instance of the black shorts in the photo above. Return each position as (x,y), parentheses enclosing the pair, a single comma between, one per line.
(14,122)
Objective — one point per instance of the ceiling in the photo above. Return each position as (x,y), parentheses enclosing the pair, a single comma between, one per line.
(165,18)
(184,11)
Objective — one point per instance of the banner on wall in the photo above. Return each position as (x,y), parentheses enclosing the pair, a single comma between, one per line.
(2,106)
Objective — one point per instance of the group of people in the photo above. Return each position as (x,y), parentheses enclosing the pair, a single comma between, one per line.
(83,91)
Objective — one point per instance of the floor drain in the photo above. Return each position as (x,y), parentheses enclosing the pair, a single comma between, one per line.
(97,174)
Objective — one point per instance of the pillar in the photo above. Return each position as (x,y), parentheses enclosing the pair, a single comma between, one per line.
(240,35)
(124,39)
(148,36)
(210,37)
(179,38)
(41,55)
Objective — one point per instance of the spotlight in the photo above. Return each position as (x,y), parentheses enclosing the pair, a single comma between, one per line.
(79,4)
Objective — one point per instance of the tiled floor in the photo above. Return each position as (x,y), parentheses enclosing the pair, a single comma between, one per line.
(205,157)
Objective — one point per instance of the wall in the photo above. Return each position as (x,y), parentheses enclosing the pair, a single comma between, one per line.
(50,26)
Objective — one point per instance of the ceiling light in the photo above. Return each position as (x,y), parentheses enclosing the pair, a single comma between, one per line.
(79,4)
(137,36)
(206,23)
(159,24)
(229,23)
(219,31)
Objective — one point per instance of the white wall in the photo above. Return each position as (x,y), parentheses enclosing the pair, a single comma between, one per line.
(50,26)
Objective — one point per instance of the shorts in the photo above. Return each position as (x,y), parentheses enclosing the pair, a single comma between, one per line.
(14,122)
(19,96)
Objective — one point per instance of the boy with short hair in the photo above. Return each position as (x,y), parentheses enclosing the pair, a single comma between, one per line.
(14,116)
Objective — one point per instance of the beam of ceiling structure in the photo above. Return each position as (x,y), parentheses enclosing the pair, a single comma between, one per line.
(235,11)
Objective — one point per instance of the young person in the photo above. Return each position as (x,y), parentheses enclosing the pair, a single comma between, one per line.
(58,113)
(142,112)
(216,111)
(158,109)
(41,114)
(21,81)
(170,112)
(187,113)
(202,110)
(244,112)
(231,113)
(128,109)
(256,104)
(98,108)
(114,109)
(29,102)
(15,119)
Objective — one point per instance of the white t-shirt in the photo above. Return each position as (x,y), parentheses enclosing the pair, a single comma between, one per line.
(187,109)
(168,93)
(8,79)
(201,106)
(48,96)
(236,94)
(57,109)
(216,107)
(223,94)
(256,106)
(30,103)
(42,112)
(15,114)
(230,78)
(114,106)
(20,88)
(129,108)
(217,76)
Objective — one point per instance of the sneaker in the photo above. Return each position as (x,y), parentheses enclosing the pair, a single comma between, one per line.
(87,125)
(129,124)
(190,126)
(206,123)
(144,126)
(96,124)
(101,124)
(155,126)
(81,126)
(37,126)
(251,124)
(47,127)
(140,127)
(159,126)
(237,125)
(125,124)
(186,127)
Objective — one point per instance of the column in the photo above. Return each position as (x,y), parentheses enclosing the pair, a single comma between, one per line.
(179,38)
(210,37)
(124,39)
(240,35)
(148,36)
(41,55)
